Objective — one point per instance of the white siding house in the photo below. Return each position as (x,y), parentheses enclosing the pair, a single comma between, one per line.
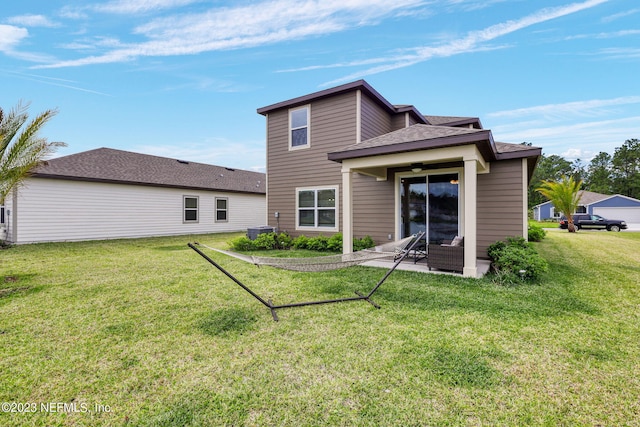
(107,194)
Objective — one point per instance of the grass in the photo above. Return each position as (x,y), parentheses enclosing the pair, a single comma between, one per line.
(148,330)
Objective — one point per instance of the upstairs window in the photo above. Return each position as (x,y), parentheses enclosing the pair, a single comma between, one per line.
(222,208)
(190,209)
(299,128)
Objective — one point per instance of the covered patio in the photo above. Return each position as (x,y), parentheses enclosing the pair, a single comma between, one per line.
(463,151)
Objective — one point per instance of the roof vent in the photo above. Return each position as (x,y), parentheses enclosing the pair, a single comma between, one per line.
(229,169)
(184,162)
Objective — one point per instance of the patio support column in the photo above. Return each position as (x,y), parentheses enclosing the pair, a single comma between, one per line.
(470,213)
(347,211)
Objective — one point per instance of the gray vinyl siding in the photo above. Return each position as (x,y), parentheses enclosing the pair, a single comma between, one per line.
(375,120)
(332,126)
(373,208)
(398,121)
(500,204)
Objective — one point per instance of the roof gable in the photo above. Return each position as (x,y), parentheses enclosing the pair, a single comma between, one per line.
(349,87)
(124,167)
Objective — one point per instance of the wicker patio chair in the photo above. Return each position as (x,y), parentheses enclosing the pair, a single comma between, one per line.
(446,256)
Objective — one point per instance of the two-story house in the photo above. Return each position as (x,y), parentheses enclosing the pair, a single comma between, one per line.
(346,159)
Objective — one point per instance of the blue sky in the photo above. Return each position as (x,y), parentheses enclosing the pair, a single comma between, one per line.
(183,78)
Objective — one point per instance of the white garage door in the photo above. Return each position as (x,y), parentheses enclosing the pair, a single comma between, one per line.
(630,215)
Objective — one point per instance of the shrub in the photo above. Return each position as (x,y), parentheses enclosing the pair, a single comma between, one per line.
(270,241)
(516,261)
(242,244)
(365,243)
(284,241)
(300,242)
(334,244)
(536,233)
(318,243)
(265,241)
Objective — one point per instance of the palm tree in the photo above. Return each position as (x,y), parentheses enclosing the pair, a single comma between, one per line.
(564,196)
(22,150)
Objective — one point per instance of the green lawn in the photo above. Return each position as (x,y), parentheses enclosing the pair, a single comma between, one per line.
(145,332)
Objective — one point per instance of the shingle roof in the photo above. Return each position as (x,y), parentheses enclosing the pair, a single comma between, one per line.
(415,138)
(589,197)
(411,134)
(124,167)
(453,121)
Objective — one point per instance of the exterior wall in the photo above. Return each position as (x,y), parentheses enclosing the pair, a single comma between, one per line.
(60,210)
(500,203)
(616,201)
(332,126)
(543,211)
(373,208)
(375,120)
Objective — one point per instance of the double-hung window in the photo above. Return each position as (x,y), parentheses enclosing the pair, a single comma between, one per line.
(317,208)
(190,209)
(222,209)
(299,128)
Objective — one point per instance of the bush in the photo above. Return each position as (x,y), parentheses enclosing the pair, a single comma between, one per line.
(365,243)
(241,244)
(300,242)
(284,241)
(265,241)
(334,244)
(318,243)
(516,261)
(536,233)
(270,241)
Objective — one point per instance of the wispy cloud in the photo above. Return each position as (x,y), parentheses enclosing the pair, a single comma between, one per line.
(472,41)
(52,81)
(584,139)
(32,21)
(620,53)
(215,151)
(139,6)
(594,107)
(10,37)
(617,16)
(263,23)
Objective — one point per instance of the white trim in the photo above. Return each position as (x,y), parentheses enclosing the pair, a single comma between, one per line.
(226,209)
(184,209)
(444,171)
(525,201)
(336,188)
(347,212)
(308,126)
(470,222)
(358,116)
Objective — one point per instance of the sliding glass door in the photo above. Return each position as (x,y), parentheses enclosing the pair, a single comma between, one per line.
(430,203)
(443,218)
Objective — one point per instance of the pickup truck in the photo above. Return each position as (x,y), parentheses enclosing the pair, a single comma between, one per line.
(594,222)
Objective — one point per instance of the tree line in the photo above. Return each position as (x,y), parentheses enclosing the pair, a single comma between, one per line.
(605,173)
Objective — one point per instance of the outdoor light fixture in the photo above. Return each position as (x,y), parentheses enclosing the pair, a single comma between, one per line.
(416,167)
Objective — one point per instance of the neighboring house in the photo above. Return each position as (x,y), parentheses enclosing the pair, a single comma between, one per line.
(107,193)
(614,206)
(347,160)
